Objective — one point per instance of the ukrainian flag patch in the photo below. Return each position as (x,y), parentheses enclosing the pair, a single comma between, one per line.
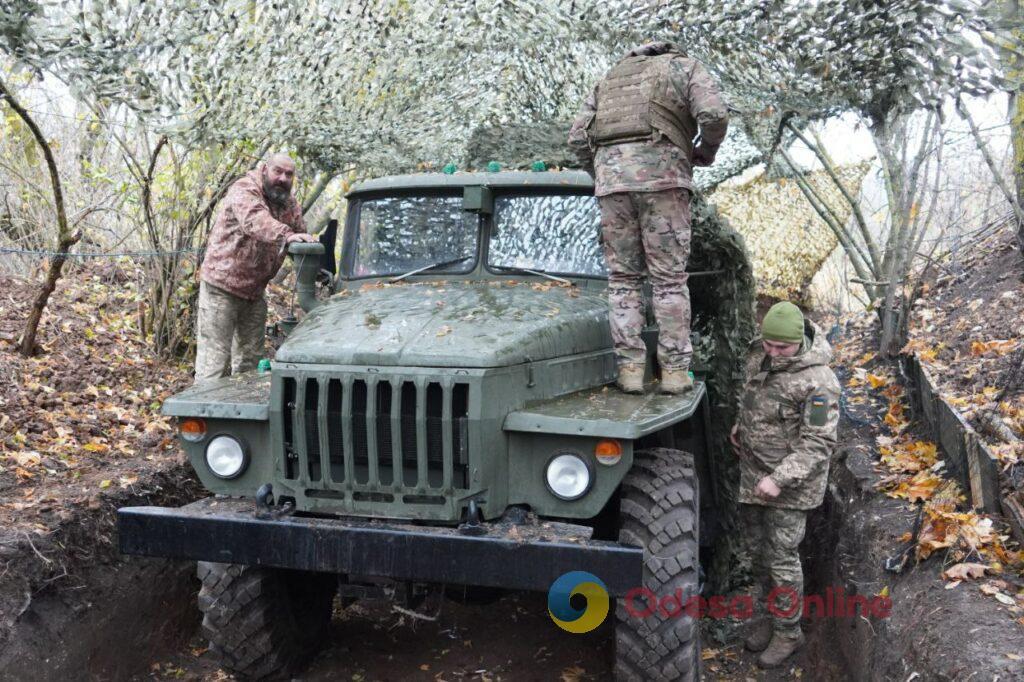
(819,411)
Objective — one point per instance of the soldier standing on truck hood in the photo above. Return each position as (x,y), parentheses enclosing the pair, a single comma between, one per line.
(637,130)
(257,218)
(785,435)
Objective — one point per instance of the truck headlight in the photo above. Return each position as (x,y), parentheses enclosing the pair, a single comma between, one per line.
(226,457)
(568,476)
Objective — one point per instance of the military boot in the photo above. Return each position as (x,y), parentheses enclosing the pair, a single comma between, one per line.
(779,649)
(631,378)
(676,381)
(759,636)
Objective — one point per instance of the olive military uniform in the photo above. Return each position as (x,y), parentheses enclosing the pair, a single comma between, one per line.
(787,430)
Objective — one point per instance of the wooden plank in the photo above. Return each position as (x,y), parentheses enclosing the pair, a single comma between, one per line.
(968,459)
(984,473)
(929,396)
(951,439)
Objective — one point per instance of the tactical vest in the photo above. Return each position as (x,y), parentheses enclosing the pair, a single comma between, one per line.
(634,100)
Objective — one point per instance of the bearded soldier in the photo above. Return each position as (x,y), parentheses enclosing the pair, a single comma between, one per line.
(785,436)
(257,219)
(637,130)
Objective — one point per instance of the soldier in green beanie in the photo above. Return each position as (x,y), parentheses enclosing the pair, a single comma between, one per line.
(785,434)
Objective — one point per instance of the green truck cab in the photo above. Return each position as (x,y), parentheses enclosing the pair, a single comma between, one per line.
(446,417)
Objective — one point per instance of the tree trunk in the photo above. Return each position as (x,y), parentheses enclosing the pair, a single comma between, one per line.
(1015,72)
(892,138)
(65,238)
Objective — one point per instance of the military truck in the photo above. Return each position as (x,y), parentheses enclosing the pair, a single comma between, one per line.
(445,418)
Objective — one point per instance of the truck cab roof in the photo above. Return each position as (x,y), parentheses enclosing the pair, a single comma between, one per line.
(573,180)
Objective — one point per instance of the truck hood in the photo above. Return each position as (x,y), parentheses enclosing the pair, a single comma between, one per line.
(450,324)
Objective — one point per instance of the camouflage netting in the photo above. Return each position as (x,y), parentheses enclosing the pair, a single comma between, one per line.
(766,212)
(723,317)
(389,85)
(517,146)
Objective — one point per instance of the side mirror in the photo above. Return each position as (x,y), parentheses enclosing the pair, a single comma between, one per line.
(306,256)
(328,238)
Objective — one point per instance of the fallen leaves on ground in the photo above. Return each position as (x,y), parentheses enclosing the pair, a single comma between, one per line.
(917,488)
(905,455)
(82,415)
(912,470)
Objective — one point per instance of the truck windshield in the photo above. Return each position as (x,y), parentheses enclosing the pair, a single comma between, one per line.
(552,233)
(399,234)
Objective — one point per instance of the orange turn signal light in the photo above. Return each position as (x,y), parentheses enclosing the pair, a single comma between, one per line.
(608,451)
(192,429)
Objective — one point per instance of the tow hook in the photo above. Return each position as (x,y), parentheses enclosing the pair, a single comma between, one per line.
(265,504)
(472,525)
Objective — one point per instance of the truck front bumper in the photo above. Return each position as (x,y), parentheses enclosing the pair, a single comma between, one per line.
(524,556)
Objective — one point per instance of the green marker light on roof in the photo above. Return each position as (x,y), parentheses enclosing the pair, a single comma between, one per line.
(538,167)
(449,169)
(493,167)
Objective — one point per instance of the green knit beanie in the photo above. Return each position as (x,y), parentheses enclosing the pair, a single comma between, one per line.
(783,323)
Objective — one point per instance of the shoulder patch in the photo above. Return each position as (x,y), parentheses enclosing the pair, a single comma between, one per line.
(818,413)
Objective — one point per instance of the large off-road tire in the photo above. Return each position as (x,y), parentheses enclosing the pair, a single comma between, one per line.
(264,623)
(660,512)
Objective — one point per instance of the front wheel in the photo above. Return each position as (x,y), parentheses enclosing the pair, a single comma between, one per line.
(654,639)
(263,623)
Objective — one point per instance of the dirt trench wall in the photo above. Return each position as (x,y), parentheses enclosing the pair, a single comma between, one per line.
(937,633)
(71,607)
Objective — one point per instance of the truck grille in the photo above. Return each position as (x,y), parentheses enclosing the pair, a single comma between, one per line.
(374,436)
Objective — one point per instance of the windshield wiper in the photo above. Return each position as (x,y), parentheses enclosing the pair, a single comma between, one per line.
(430,267)
(527,271)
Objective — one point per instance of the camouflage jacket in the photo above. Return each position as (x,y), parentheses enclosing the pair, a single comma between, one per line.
(657,164)
(245,248)
(788,423)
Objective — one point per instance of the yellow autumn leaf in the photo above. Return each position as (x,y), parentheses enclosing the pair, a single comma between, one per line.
(877,381)
(918,488)
(894,417)
(865,359)
(105,483)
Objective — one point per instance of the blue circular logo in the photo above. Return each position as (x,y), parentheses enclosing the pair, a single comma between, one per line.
(560,605)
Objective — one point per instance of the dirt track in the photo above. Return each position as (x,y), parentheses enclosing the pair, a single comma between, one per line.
(512,639)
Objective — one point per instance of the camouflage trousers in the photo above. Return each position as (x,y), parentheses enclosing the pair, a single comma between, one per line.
(771,538)
(647,234)
(231,333)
